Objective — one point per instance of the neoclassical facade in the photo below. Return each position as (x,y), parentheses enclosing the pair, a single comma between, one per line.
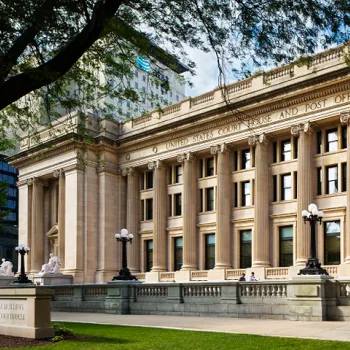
(209,186)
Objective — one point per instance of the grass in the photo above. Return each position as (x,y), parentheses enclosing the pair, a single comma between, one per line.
(89,336)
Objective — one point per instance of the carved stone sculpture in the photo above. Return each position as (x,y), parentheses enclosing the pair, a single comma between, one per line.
(53,266)
(6,268)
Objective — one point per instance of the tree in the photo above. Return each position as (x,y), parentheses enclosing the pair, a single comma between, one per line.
(48,45)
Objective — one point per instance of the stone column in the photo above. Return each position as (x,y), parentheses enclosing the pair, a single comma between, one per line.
(223,209)
(189,214)
(159,215)
(133,217)
(61,214)
(37,239)
(261,232)
(345,119)
(304,190)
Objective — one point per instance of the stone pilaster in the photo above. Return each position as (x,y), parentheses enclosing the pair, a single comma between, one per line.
(159,215)
(304,190)
(61,214)
(133,217)
(189,196)
(261,232)
(345,119)
(37,239)
(223,209)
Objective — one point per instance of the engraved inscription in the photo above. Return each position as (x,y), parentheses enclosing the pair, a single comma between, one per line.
(12,311)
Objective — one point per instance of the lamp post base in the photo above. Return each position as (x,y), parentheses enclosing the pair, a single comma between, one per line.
(313,267)
(23,280)
(124,275)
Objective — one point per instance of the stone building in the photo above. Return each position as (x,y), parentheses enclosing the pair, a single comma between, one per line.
(207,188)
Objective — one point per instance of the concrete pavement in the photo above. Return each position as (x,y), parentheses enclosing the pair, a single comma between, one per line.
(279,328)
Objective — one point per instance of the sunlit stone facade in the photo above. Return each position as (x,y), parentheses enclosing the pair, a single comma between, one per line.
(207,189)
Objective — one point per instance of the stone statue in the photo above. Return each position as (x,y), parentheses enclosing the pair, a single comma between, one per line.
(53,266)
(6,268)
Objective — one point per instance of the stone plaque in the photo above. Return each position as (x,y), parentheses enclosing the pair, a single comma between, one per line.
(13,312)
(306,291)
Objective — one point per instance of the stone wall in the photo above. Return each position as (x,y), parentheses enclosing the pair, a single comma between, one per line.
(316,298)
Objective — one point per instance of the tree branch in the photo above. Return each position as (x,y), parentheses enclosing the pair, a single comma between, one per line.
(10,58)
(20,85)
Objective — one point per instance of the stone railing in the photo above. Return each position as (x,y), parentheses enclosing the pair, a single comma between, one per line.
(279,73)
(199,275)
(95,291)
(324,57)
(172,109)
(344,288)
(151,291)
(143,119)
(331,269)
(167,276)
(202,291)
(202,98)
(234,274)
(64,291)
(276,273)
(253,289)
(239,86)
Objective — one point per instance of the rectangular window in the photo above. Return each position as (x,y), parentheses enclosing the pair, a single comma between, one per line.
(295,174)
(235,160)
(201,208)
(319,181)
(245,249)
(149,254)
(178,204)
(210,198)
(209,167)
(178,174)
(286,246)
(235,200)
(142,210)
(286,150)
(149,209)
(332,179)
(274,157)
(170,205)
(343,172)
(170,175)
(286,182)
(295,146)
(332,243)
(209,251)
(178,253)
(332,140)
(149,179)
(344,137)
(246,198)
(201,168)
(319,142)
(274,184)
(245,159)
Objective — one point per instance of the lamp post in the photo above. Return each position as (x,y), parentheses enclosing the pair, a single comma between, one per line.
(22,278)
(124,272)
(312,267)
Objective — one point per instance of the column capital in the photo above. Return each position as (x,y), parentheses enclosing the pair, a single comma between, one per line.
(296,129)
(37,181)
(58,173)
(345,118)
(128,171)
(219,148)
(255,139)
(186,157)
(155,164)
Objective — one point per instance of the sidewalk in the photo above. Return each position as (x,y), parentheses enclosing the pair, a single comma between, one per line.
(295,329)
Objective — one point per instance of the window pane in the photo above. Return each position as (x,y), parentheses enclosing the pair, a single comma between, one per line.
(332,228)
(286,232)
(210,167)
(332,140)
(178,174)
(333,173)
(178,253)
(286,150)
(246,249)
(246,159)
(209,251)
(332,243)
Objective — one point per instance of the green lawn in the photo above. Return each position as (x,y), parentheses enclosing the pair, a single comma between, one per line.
(116,337)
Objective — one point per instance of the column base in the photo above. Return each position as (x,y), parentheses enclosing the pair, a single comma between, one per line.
(189,268)
(158,269)
(257,264)
(300,262)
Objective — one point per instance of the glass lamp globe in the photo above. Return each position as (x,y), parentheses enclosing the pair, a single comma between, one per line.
(312,206)
(124,232)
(320,214)
(117,236)
(315,212)
(131,236)
(304,213)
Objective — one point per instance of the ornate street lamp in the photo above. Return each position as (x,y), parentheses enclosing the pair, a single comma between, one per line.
(312,267)
(124,273)
(22,278)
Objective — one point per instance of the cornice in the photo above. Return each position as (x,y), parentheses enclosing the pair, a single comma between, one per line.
(226,118)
